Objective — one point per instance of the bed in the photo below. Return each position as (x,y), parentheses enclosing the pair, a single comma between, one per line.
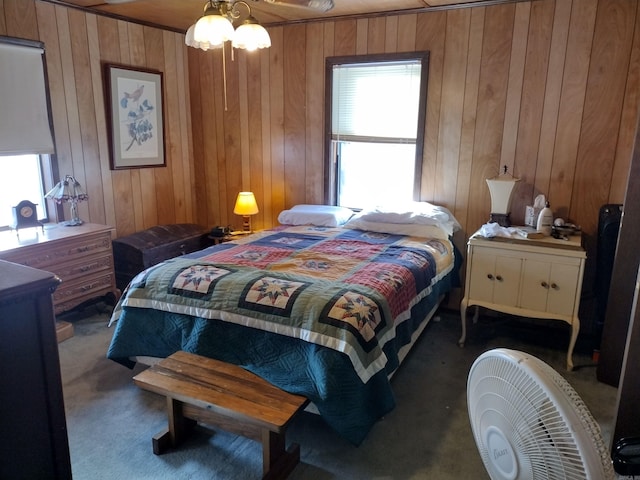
(318,306)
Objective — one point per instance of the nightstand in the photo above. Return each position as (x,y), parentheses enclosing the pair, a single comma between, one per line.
(235,235)
(535,278)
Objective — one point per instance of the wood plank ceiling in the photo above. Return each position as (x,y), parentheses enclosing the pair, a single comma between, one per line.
(178,15)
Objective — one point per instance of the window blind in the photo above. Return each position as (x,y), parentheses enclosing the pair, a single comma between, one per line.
(376,101)
(24,119)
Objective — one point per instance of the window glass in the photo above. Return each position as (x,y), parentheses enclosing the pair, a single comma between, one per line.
(23,181)
(376,110)
(375,173)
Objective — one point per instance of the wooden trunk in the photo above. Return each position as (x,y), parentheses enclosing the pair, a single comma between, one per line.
(136,252)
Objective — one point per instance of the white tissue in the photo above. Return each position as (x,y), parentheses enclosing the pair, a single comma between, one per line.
(540,202)
(490,230)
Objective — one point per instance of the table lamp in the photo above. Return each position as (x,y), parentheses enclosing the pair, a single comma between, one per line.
(69,190)
(246,206)
(501,190)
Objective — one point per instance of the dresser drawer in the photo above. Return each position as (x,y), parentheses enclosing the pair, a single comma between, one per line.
(85,267)
(57,253)
(73,293)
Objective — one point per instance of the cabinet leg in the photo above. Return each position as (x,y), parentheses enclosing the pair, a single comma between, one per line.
(463,319)
(575,328)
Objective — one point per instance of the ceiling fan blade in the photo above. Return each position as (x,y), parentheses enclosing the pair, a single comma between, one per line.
(321,5)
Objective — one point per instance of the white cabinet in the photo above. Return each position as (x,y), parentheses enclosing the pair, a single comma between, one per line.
(539,278)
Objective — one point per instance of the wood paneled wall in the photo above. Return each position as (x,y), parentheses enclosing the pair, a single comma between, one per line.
(549,88)
(77,46)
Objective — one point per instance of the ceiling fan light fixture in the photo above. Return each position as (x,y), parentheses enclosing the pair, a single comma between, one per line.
(215,27)
(251,36)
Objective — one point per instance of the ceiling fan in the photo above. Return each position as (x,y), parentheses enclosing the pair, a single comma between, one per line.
(320,5)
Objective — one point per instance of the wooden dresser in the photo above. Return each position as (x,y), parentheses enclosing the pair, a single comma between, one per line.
(80,256)
(32,417)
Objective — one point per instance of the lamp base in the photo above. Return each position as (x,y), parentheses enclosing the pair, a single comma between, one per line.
(246,224)
(501,219)
(74,222)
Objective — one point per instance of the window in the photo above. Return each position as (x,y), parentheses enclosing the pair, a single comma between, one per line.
(26,139)
(23,181)
(376,107)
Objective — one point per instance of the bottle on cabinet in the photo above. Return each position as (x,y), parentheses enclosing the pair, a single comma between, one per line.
(545,220)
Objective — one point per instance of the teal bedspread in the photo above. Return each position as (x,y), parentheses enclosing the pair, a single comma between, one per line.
(320,312)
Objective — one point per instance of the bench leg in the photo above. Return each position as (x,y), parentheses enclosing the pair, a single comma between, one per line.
(277,462)
(178,428)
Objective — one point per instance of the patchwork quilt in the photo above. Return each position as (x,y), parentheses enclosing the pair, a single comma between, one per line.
(318,311)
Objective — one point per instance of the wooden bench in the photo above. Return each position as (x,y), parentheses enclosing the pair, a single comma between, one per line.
(200,389)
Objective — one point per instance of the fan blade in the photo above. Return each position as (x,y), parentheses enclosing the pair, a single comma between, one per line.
(321,5)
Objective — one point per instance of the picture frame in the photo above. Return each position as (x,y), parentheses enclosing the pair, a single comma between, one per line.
(135,109)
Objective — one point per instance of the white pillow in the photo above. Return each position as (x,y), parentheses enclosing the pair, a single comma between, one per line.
(421,213)
(412,229)
(318,215)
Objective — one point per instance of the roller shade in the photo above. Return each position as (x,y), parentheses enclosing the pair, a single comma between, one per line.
(376,101)
(24,119)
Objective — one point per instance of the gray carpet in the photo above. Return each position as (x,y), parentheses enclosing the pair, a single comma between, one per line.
(110,421)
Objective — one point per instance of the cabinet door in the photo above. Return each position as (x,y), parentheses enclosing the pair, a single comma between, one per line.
(481,277)
(507,280)
(494,278)
(550,287)
(535,285)
(563,287)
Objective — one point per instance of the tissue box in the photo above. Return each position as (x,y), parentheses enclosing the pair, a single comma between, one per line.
(531,215)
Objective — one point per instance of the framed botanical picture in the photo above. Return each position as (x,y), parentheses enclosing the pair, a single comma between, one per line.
(136,128)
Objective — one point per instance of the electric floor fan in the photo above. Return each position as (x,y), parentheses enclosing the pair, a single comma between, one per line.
(529,423)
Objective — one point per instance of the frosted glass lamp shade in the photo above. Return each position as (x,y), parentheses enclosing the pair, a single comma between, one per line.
(251,36)
(213,29)
(501,190)
(190,41)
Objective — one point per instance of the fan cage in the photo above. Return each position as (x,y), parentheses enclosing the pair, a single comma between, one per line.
(550,429)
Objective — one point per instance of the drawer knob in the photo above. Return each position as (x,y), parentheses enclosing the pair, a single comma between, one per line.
(544,285)
(489,276)
(554,286)
(499,278)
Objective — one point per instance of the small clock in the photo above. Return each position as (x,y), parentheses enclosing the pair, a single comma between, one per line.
(25,215)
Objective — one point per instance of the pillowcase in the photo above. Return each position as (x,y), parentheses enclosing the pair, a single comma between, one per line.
(419,213)
(411,229)
(318,215)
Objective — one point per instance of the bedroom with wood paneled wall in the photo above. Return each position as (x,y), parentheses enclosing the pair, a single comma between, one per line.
(549,88)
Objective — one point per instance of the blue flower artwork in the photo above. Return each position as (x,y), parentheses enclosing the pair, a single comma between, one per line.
(137,129)
(138,109)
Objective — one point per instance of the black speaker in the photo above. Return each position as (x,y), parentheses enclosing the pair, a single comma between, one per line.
(608,227)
